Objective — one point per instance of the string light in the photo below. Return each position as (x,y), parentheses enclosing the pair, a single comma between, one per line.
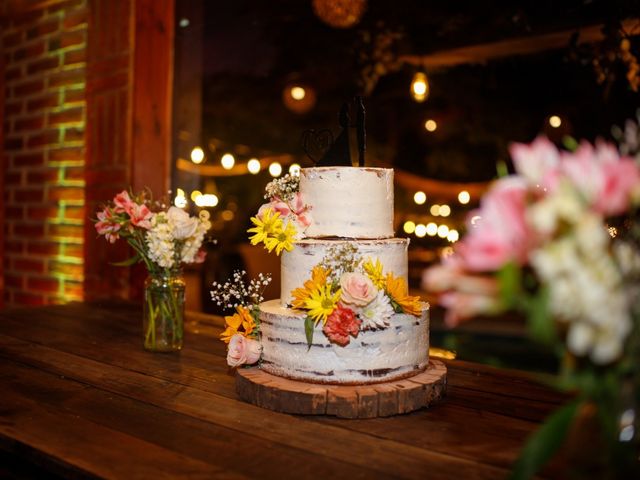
(180,201)
(420,197)
(432,229)
(443,231)
(420,87)
(446,252)
(253,166)
(421,230)
(555,121)
(195,194)
(409,227)
(298,93)
(197,155)
(444,210)
(430,125)
(207,200)
(227,161)
(464,197)
(275,169)
(453,236)
(435,210)
(294,169)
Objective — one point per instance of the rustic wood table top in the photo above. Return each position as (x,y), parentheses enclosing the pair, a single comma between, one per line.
(79,397)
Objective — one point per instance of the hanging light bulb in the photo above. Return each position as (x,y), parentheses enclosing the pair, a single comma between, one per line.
(420,87)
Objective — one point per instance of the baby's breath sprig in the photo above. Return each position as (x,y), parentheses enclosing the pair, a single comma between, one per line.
(283,188)
(235,292)
(341,259)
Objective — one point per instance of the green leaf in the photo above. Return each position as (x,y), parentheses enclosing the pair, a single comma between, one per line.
(509,279)
(308,330)
(501,169)
(541,325)
(570,143)
(541,446)
(128,262)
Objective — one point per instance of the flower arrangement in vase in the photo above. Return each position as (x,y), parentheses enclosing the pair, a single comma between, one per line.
(557,241)
(164,239)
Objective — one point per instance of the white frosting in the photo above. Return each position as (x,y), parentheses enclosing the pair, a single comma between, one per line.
(373,356)
(297,264)
(348,201)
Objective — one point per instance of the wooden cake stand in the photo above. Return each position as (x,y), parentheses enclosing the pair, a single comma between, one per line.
(363,401)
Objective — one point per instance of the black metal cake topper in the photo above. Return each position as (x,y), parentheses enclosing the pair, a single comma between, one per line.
(325,152)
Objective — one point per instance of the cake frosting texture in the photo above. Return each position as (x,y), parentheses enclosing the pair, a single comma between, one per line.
(348,201)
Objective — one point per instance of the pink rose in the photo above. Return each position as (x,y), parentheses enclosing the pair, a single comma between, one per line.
(501,235)
(340,324)
(122,202)
(140,215)
(108,225)
(301,210)
(357,289)
(243,350)
(463,306)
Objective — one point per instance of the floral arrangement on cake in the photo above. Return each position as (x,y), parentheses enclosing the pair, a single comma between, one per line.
(558,241)
(242,329)
(284,218)
(348,294)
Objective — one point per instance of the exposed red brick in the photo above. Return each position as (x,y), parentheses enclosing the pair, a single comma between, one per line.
(68,77)
(28,195)
(13,73)
(28,159)
(75,56)
(70,269)
(74,173)
(28,123)
(13,143)
(74,18)
(30,51)
(69,231)
(38,66)
(66,116)
(64,5)
(66,154)
(14,281)
(47,285)
(42,212)
(25,17)
(28,230)
(42,102)
(66,193)
(73,134)
(75,290)
(68,39)
(40,177)
(43,248)
(28,88)
(14,212)
(46,137)
(12,39)
(13,107)
(28,265)
(13,178)
(28,299)
(42,29)
(74,95)
(74,213)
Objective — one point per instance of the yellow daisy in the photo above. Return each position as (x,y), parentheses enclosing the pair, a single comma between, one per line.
(242,318)
(374,272)
(281,239)
(319,277)
(397,289)
(321,303)
(265,226)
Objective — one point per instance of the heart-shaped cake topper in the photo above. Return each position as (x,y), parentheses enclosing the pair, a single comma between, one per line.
(316,143)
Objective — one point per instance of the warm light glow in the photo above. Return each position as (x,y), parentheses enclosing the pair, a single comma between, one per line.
(227,161)
(432,229)
(207,200)
(464,197)
(253,166)
(197,155)
(180,201)
(435,210)
(443,231)
(409,227)
(475,219)
(613,232)
(420,87)
(453,236)
(555,121)
(444,210)
(430,125)
(195,194)
(275,169)
(420,198)
(298,93)
(421,230)
(294,169)
(227,215)
(446,252)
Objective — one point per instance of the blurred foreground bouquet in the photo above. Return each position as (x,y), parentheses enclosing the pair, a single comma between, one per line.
(163,239)
(559,242)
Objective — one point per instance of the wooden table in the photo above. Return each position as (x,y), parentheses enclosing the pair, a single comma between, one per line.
(80,398)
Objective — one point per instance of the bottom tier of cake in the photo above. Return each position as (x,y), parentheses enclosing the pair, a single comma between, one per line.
(397,351)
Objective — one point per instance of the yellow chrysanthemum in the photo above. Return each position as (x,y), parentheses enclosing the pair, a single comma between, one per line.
(397,289)
(281,239)
(242,318)
(374,272)
(319,277)
(321,303)
(265,226)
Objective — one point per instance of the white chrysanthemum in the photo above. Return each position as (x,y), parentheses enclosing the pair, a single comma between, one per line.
(563,205)
(377,313)
(160,241)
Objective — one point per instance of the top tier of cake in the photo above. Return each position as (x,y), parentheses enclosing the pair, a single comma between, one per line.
(349,202)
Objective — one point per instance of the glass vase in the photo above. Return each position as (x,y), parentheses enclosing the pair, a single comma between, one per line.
(163,312)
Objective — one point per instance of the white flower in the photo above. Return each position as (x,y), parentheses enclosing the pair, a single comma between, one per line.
(377,313)
(160,241)
(183,225)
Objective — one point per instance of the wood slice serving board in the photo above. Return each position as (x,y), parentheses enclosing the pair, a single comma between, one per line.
(366,401)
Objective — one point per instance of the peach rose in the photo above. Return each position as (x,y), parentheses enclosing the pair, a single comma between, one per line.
(357,289)
(243,350)
(184,226)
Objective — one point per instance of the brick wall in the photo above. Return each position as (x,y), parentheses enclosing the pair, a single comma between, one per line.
(44,48)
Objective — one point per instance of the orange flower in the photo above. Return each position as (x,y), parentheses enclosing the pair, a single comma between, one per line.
(318,279)
(241,323)
(397,289)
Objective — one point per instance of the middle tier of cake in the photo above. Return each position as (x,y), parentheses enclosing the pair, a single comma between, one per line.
(297,264)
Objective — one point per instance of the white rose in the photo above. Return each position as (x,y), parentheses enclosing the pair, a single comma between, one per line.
(182,225)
